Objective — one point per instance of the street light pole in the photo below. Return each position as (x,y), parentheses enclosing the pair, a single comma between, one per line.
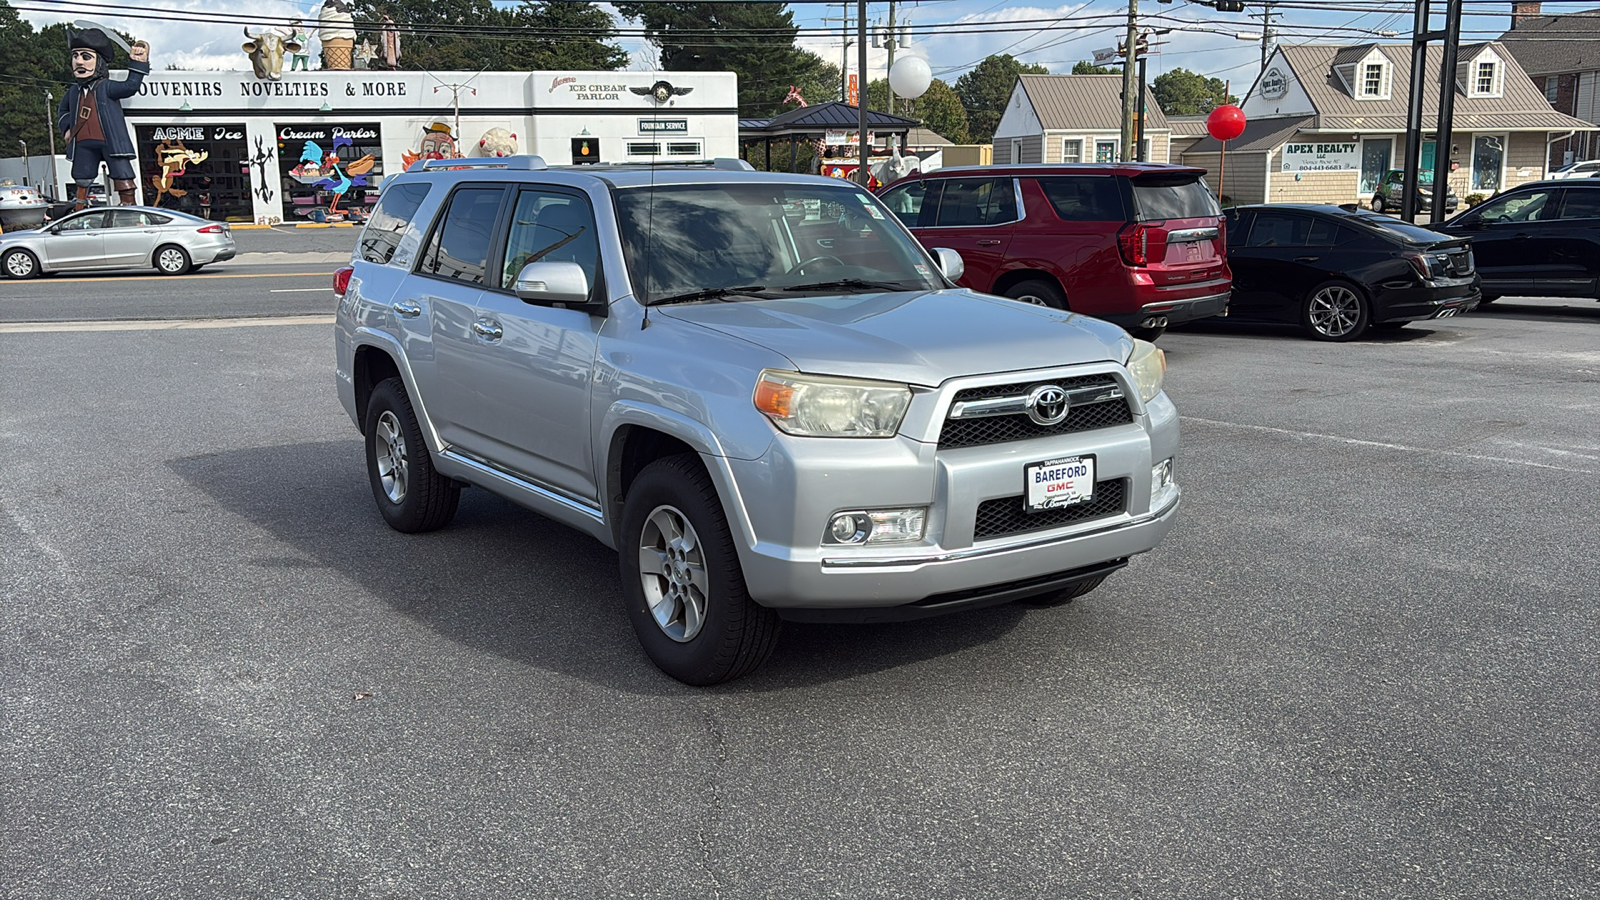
(27,163)
(1130,98)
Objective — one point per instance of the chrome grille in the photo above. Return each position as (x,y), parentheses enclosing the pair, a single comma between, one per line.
(1008,515)
(977,432)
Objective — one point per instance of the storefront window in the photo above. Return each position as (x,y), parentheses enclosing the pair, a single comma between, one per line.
(203,170)
(1105,151)
(1488,158)
(1376,154)
(329,171)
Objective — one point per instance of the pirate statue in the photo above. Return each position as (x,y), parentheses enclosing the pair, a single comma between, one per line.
(90,115)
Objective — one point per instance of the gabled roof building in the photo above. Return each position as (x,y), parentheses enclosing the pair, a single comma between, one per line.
(1073,118)
(1561,53)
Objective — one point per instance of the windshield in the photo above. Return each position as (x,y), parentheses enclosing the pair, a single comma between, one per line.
(692,241)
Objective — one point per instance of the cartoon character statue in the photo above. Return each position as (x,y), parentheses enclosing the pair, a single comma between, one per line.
(337,29)
(337,177)
(301,58)
(90,114)
(174,159)
(498,142)
(437,143)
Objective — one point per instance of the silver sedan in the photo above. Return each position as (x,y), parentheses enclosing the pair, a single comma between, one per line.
(117,237)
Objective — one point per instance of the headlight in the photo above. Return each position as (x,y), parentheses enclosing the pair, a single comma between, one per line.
(1148,366)
(818,406)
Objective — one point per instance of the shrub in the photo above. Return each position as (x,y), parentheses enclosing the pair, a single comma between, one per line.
(1473,199)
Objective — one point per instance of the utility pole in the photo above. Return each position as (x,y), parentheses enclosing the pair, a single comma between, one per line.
(844,50)
(892,42)
(864,175)
(1266,33)
(50,129)
(1130,91)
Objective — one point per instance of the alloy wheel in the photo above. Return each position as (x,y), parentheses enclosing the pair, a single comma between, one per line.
(672,568)
(19,264)
(393,469)
(171,260)
(1334,311)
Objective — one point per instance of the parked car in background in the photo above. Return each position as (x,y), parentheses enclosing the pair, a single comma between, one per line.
(1138,244)
(1392,190)
(21,206)
(1540,239)
(116,237)
(1336,272)
(1586,169)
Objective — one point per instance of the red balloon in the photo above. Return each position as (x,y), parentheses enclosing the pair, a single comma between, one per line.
(1226,122)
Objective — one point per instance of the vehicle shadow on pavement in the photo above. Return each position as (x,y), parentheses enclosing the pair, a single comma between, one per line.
(1414,331)
(507,581)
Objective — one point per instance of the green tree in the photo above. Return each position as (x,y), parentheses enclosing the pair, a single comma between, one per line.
(939,109)
(986,89)
(1185,93)
(721,37)
(531,35)
(1084,67)
(32,63)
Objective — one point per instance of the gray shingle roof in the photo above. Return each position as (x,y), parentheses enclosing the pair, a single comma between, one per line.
(1259,134)
(1520,105)
(836,114)
(1090,102)
(1556,45)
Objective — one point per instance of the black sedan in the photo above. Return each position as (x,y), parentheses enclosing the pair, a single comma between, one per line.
(1536,240)
(1335,270)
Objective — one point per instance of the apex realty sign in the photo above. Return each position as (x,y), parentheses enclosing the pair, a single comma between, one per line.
(1321,158)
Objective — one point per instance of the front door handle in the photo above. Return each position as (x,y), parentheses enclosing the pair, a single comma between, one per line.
(1521,236)
(1306,258)
(407,309)
(989,243)
(488,329)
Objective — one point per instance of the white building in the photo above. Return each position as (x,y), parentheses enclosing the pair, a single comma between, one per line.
(266,144)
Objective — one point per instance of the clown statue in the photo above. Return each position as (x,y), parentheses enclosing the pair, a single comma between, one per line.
(90,116)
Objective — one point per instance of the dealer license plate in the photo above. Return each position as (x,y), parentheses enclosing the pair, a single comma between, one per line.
(1054,483)
(1191,252)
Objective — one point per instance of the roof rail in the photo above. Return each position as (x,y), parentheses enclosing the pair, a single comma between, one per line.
(513,163)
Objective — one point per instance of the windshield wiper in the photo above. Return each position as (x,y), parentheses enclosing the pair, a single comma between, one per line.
(709,294)
(848,283)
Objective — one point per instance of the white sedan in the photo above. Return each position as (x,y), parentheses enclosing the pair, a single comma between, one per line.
(117,237)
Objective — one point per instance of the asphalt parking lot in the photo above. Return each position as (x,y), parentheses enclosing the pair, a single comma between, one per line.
(1363,665)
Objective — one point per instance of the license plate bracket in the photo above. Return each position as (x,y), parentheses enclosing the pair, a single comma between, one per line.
(1054,483)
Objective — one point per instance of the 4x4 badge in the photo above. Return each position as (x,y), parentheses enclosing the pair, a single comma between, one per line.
(1048,405)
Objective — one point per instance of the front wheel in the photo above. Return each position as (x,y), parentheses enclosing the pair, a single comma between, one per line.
(681,578)
(172,260)
(1334,311)
(19,263)
(1377,203)
(411,496)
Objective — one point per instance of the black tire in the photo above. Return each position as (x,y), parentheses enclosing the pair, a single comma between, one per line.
(1147,334)
(1039,292)
(709,630)
(170,259)
(411,496)
(194,269)
(19,263)
(1377,203)
(1335,311)
(1062,598)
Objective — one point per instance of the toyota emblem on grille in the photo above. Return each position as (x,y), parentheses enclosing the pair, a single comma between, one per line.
(1047,405)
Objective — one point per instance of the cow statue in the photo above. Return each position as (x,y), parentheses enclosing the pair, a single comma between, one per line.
(266,52)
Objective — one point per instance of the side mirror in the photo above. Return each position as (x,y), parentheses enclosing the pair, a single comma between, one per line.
(549,283)
(950,263)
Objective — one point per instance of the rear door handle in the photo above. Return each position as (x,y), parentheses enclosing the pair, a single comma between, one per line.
(989,243)
(407,309)
(1306,258)
(488,329)
(1521,236)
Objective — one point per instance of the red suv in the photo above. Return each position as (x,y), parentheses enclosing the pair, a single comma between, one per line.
(1138,244)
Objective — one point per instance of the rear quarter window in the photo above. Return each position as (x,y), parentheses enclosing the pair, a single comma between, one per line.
(390,220)
(1085,199)
(1182,196)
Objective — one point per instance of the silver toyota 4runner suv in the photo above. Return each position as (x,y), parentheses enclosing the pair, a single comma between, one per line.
(758,388)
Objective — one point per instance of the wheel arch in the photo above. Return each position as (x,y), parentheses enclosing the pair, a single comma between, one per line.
(1016,276)
(637,435)
(372,365)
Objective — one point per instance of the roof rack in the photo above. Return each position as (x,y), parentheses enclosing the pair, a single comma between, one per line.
(514,163)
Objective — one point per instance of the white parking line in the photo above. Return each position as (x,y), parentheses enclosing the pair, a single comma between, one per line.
(1380,445)
(159,324)
(320,290)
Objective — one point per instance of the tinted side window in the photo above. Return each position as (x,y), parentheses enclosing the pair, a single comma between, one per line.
(1580,204)
(1278,230)
(459,247)
(1329,234)
(1523,207)
(908,201)
(547,226)
(390,219)
(1085,199)
(977,201)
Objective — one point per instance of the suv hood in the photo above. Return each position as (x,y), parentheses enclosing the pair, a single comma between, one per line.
(921,338)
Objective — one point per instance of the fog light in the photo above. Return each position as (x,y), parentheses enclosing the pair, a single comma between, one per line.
(1160,481)
(877,526)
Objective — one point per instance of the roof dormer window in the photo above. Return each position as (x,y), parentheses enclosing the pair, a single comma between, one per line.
(1374,84)
(1488,76)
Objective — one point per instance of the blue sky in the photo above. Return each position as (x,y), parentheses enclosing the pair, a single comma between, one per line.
(203,46)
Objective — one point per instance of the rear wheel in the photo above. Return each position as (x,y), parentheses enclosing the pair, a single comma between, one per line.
(172,260)
(1334,311)
(411,496)
(1038,292)
(1377,203)
(19,263)
(681,579)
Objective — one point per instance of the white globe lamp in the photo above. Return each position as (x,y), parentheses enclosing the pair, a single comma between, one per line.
(910,77)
